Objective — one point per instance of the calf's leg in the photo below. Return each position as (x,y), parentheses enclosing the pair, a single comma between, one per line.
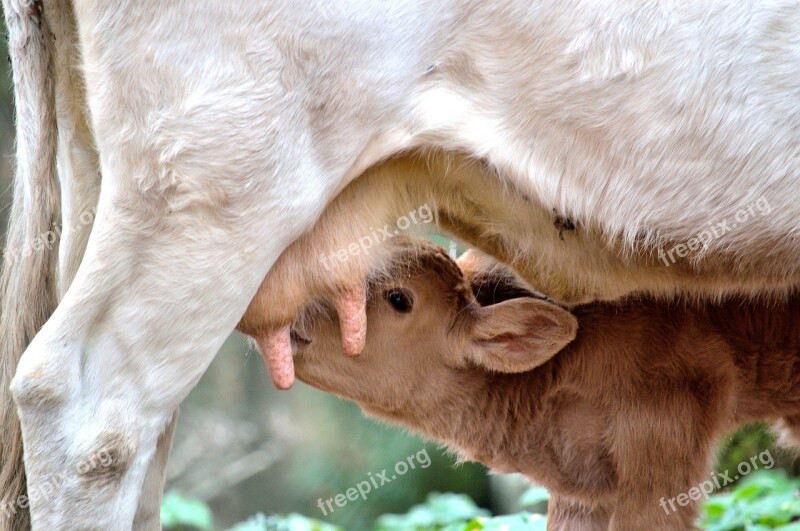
(566,514)
(663,458)
(788,431)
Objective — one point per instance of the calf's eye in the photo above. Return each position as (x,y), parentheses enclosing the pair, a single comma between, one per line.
(400,300)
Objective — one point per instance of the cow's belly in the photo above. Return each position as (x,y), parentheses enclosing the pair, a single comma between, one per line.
(569,258)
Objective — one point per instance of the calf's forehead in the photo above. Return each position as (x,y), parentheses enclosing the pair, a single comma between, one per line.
(429,268)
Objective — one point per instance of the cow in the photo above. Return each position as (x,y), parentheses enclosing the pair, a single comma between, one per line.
(196,141)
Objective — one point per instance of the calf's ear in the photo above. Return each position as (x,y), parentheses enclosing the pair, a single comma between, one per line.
(519,334)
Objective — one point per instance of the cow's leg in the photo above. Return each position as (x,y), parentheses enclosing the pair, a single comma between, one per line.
(148,512)
(79,176)
(164,280)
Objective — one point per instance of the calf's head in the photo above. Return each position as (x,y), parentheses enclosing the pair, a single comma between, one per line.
(429,325)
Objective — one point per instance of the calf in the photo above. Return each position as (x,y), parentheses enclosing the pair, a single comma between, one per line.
(618,425)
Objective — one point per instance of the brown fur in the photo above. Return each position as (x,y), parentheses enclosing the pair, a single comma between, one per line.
(627,413)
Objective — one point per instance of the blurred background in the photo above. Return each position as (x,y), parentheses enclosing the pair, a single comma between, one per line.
(243,448)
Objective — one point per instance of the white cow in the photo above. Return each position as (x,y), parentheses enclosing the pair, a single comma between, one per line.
(223,129)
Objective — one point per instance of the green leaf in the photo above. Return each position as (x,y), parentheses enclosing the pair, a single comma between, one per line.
(517,522)
(764,500)
(439,510)
(290,522)
(178,511)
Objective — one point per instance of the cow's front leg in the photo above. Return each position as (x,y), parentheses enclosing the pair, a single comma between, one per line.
(163,282)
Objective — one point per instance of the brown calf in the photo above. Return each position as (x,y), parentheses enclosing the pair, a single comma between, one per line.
(619,424)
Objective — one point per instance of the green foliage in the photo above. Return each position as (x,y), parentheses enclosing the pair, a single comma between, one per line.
(763,500)
(179,513)
(439,510)
(345,446)
(456,512)
(514,522)
(747,441)
(291,522)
